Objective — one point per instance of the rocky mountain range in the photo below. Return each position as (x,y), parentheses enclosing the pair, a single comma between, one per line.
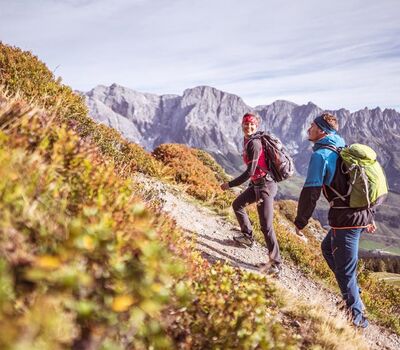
(207,118)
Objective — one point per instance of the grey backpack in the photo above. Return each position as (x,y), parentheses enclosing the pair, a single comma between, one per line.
(280,163)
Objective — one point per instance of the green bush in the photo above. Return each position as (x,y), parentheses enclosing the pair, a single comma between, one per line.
(82,255)
(232,310)
(23,73)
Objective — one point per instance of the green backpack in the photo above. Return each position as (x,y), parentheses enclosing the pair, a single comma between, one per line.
(367,180)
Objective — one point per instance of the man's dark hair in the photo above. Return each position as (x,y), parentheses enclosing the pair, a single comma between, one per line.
(331,120)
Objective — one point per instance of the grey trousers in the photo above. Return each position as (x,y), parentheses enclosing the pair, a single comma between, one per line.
(264,195)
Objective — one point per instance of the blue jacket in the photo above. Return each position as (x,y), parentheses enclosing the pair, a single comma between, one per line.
(322,167)
(324,172)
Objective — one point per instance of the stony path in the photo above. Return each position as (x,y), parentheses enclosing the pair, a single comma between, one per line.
(214,240)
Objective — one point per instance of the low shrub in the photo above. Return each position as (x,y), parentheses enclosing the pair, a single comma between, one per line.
(232,309)
(185,167)
(210,163)
(81,256)
(24,74)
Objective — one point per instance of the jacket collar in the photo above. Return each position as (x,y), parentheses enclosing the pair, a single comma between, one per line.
(333,139)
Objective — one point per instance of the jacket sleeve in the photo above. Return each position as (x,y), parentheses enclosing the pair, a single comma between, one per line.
(307,202)
(253,150)
(311,190)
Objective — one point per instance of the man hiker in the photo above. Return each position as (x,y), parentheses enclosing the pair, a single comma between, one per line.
(340,246)
(262,190)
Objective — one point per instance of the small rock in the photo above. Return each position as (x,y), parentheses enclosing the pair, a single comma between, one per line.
(296,323)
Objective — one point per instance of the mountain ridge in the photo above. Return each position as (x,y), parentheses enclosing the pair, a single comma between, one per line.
(208,118)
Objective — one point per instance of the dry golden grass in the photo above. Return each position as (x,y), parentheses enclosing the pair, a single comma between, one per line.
(317,328)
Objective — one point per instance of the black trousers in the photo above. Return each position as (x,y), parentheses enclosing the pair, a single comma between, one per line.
(263,194)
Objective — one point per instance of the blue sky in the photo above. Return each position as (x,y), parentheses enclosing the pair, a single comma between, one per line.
(343,53)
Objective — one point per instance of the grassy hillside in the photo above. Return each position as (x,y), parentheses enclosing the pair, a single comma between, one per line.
(23,74)
(389,278)
(86,263)
(81,253)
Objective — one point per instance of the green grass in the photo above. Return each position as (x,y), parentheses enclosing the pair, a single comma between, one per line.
(370,245)
(390,278)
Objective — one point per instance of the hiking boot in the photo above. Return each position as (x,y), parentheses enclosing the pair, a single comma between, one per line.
(362,323)
(263,267)
(269,268)
(341,305)
(273,270)
(244,239)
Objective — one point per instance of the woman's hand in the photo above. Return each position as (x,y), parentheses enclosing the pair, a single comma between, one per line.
(224,186)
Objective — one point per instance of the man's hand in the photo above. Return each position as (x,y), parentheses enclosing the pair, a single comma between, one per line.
(301,235)
(224,186)
(371,228)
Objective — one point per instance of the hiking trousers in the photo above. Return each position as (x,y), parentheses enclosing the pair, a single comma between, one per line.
(340,250)
(264,195)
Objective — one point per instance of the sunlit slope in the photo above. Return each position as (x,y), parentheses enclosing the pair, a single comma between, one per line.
(82,253)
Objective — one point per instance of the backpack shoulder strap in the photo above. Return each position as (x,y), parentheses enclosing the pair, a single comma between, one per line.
(257,136)
(337,150)
(332,148)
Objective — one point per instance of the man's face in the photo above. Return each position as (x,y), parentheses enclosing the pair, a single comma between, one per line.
(249,128)
(315,133)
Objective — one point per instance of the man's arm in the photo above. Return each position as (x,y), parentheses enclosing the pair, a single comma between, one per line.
(307,202)
(311,191)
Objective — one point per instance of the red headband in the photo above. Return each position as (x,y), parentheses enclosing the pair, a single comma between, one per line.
(250,118)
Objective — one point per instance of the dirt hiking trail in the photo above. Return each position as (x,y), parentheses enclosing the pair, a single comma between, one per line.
(214,241)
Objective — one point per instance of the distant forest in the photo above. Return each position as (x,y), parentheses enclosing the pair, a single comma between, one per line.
(382,263)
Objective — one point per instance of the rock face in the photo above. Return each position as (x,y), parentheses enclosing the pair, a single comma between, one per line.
(208,118)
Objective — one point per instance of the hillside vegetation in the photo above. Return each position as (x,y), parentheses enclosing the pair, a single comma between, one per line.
(381,299)
(86,263)
(197,170)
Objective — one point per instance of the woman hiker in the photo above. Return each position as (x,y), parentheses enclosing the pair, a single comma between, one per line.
(262,190)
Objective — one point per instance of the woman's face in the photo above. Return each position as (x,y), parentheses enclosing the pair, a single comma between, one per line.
(249,128)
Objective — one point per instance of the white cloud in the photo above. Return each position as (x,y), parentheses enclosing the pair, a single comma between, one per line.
(336,54)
